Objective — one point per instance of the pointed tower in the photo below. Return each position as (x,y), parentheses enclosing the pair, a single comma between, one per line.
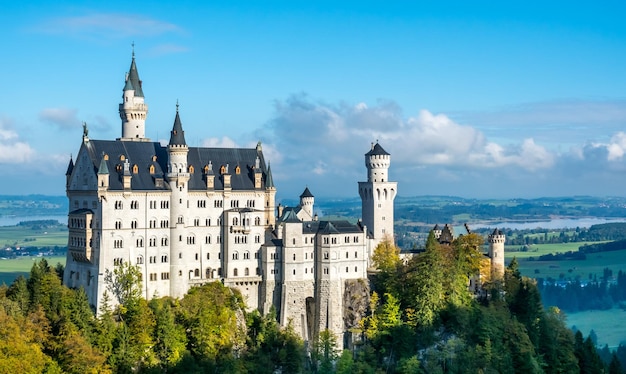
(306,202)
(377,195)
(178,176)
(496,253)
(103,174)
(68,173)
(270,196)
(133,110)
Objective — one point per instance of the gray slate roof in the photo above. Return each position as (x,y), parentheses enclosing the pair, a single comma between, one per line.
(307,193)
(330,227)
(141,154)
(177,135)
(133,78)
(377,150)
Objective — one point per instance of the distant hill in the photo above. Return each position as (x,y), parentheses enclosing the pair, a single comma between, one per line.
(32,205)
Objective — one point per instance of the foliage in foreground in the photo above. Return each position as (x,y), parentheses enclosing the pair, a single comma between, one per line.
(424,321)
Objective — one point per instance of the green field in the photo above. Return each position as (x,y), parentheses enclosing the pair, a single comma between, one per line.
(13,236)
(11,269)
(575,269)
(609,325)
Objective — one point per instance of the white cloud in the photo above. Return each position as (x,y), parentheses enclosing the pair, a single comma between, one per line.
(322,145)
(224,142)
(108,25)
(12,150)
(63,118)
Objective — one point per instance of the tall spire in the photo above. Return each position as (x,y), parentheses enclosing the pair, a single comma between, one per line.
(133,110)
(133,77)
(177,136)
(269,181)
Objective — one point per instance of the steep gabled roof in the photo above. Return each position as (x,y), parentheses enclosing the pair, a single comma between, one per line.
(70,167)
(146,154)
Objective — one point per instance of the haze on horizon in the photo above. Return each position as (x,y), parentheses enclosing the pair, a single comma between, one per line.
(473,100)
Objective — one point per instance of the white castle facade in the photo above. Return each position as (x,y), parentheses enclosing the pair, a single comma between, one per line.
(191,215)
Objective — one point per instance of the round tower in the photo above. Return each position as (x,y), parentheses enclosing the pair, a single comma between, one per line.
(306,202)
(496,253)
(133,110)
(178,176)
(377,195)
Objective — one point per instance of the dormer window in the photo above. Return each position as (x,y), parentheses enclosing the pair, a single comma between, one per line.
(154,158)
(135,169)
(191,169)
(106,157)
(151,169)
(237,170)
(206,169)
(223,169)
(122,157)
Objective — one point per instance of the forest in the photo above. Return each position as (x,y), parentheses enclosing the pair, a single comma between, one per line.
(422,318)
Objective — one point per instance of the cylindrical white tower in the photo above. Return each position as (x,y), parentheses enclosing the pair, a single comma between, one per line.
(496,253)
(178,176)
(133,110)
(377,195)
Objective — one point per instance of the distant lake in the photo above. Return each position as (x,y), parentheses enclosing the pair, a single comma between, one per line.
(557,223)
(14,220)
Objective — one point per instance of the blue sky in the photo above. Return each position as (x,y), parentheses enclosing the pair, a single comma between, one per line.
(476,100)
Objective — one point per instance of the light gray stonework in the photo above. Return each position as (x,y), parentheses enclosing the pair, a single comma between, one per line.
(191,215)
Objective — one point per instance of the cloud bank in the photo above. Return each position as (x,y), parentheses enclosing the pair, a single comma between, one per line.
(322,145)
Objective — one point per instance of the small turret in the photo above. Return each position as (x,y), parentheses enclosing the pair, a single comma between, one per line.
(103,174)
(269,181)
(177,135)
(496,253)
(306,203)
(377,161)
(437,231)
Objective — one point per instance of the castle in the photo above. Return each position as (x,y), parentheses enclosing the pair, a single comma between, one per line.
(191,215)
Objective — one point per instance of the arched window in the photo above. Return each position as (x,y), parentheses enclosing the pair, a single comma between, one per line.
(235,272)
(196,273)
(246,272)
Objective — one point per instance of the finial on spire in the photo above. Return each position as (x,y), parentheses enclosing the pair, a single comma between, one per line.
(176,105)
(85,129)
(133,45)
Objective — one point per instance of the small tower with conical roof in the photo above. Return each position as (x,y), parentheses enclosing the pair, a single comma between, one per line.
(270,196)
(103,174)
(133,109)
(496,253)
(377,195)
(178,176)
(306,203)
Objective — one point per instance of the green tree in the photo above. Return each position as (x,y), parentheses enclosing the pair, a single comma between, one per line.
(324,352)
(212,315)
(425,282)
(170,341)
(124,283)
